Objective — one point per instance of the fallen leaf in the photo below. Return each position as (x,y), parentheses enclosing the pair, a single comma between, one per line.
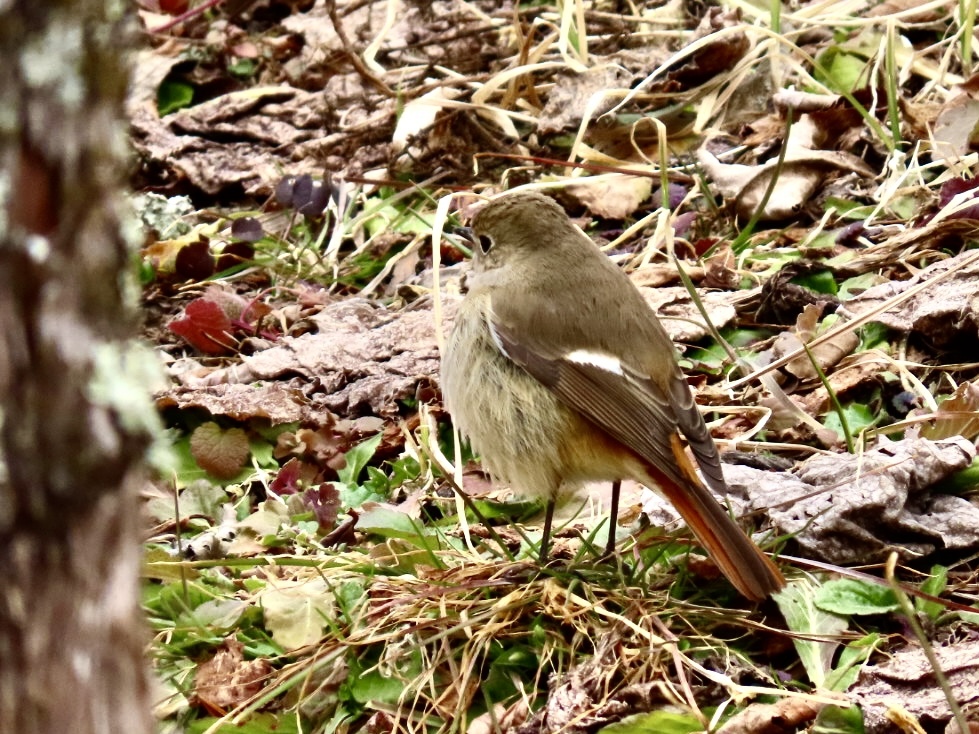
(956,127)
(363,360)
(579,93)
(297,612)
(219,452)
(419,114)
(276,402)
(825,355)
(205,327)
(958,415)
(611,196)
(906,678)
(848,509)
(227,679)
(787,716)
(804,169)
(946,316)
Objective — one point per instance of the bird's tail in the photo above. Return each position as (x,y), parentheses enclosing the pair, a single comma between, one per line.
(750,571)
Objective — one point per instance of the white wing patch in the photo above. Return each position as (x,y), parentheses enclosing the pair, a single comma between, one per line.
(596,359)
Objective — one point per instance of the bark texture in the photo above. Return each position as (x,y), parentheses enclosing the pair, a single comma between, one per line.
(71,639)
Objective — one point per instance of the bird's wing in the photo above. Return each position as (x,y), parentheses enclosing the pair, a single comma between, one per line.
(577,363)
(626,405)
(632,409)
(692,426)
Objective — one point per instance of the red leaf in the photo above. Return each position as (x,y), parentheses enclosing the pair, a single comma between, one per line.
(294,476)
(324,501)
(174,7)
(206,327)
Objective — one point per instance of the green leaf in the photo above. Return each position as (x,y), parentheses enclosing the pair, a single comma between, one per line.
(215,614)
(661,722)
(839,69)
(961,481)
(173,96)
(349,597)
(904,207)
(839,720)
(509,664)
(372,686)
(970,617)
(824,243)
(355,496)
(851,660)
(390,523)
(378,482)
(823,282)
(513,511)
(712,357)
(935,585)
(848,209)
(849,596)
(357,459)
(741,338)
(242,68)
(856,285)
(387,683)
(262,453)
(874,336)
(797,603)
(858,418)
(262,723)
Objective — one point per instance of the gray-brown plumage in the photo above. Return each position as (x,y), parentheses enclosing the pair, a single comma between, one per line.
(559,373)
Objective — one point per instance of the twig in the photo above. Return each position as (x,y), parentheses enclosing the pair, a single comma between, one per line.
(358,63)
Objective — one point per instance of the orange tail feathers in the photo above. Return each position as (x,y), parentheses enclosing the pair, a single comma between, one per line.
(748,569)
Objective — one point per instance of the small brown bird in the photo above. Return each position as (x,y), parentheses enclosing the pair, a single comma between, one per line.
(559,373)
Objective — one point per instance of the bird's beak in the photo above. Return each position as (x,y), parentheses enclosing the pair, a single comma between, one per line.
(465,233)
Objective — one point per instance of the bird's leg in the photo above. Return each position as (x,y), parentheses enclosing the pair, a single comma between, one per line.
(546,534)
(613,520)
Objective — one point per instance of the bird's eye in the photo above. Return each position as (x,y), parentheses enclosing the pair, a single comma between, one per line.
(485,243)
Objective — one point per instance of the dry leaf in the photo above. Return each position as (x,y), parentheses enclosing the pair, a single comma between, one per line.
(277,402)
(804,169)
(574,95)
(221,453)
(785,717)
(363,359)
(906,678)
(611,196)
(227,679)
(825,355)
(297,612)
(945,316)
(680,316)
(958,121)
(859,508)
(956,416)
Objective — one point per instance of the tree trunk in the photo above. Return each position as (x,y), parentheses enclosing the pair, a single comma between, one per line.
(71,445)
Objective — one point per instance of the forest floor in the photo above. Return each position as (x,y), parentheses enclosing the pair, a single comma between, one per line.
(794,191)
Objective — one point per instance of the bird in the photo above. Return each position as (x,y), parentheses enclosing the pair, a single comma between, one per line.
(559,373)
